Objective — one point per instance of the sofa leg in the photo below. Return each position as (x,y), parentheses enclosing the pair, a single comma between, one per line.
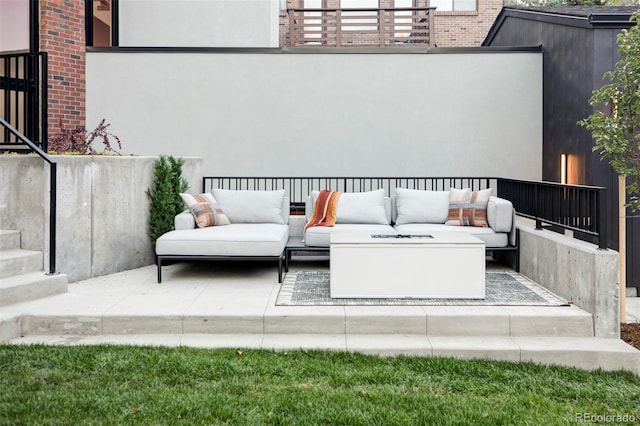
(159,263)
(517,250)
(280,269)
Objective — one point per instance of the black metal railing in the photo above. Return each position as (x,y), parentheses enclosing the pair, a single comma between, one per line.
(52,189)
(573,207)
(298,188)
(23,94)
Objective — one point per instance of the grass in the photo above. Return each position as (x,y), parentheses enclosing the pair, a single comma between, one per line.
(144,385)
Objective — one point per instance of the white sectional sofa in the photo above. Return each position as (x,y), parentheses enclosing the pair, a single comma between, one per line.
(254,225)
(411,212)
(257,229)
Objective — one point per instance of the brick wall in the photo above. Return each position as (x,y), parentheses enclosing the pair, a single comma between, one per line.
(465,29)
(62,37)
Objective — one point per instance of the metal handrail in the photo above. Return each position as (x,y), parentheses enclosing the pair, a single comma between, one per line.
(52,191)
(298,188)
(23,78)
(578,208)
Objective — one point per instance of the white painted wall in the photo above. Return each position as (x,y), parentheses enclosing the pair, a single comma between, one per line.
(199,23)
(323,114)
(14,25)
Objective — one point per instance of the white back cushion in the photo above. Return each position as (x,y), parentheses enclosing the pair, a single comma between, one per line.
(418,206)
(253,206)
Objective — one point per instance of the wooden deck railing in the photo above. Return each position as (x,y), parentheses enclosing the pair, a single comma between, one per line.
(381,27)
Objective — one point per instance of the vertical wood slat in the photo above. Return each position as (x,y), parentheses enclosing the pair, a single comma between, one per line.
(338,28)
(381,27)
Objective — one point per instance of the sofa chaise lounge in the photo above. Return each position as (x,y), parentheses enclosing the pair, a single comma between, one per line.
(242,225)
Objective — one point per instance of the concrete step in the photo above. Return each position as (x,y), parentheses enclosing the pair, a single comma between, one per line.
(30,286)
(9,239)
(461,321)
(17,262)
(140,318)
(587,353)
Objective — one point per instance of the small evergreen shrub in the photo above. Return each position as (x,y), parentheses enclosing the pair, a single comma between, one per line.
(165,197)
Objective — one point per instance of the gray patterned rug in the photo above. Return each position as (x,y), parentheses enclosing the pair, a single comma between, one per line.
(311,288)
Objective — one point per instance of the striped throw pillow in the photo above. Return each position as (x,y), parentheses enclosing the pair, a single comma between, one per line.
(205,210)
(468,208)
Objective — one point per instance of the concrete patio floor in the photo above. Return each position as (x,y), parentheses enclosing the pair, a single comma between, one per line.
(213,305)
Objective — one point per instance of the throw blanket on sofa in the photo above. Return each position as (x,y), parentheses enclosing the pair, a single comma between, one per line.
(324,212)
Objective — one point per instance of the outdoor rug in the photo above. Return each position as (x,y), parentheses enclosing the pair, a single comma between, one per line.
(311,288)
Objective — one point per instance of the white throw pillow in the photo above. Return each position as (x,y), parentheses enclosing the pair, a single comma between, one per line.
(362,207)
(418,206)
(358,207)
(251,206)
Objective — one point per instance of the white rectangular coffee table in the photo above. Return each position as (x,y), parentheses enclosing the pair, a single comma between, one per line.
(445,265)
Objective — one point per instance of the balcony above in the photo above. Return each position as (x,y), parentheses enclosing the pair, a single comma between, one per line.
(362,27)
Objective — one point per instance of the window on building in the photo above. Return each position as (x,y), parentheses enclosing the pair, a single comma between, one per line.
(101,22)
(314,21)
(402,20)
(360,20)
(455,5)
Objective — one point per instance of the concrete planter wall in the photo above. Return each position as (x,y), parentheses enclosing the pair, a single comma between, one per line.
(576,270)
(102,212)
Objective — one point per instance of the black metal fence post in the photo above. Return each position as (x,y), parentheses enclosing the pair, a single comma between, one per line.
(538,198)
(603,221)
(53,195)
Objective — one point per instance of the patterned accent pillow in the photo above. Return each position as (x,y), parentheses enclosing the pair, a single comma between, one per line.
(468,208)
(205,210)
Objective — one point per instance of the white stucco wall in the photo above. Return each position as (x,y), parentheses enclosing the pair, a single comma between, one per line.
(322,114)
(14,25)
(199,23)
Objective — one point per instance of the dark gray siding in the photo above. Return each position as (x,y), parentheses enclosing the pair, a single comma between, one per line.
(575,59)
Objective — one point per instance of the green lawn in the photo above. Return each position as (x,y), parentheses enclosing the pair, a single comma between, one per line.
(121,384)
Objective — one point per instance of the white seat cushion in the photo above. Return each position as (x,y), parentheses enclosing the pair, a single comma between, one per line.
(318,236)
(488,235)
(244,239)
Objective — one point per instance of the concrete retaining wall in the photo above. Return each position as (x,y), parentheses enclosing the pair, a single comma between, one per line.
(102,212)
(577,271)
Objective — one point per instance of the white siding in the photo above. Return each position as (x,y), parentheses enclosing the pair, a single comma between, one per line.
(199,23)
